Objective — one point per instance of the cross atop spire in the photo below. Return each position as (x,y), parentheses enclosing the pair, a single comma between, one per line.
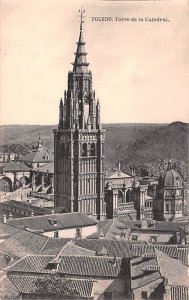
(80,64)
(81,16)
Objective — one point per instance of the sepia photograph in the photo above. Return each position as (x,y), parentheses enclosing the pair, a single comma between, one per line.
(94,149)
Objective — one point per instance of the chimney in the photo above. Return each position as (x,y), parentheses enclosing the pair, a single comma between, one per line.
(10,216)
(167,289)
(4,219)
(101,235)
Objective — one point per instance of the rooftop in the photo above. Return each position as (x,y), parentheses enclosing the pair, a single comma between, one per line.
(14,166)
(119,174)
(52,286)
(17,242)
(71,265)
(172,269)
(24,206)
(51,222)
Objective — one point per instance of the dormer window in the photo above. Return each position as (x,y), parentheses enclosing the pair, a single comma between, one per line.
(53,266)
(78,233)
(153,238)
(134,237)
(53,222)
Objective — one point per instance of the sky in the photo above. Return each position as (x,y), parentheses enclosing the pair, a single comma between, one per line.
(140,68)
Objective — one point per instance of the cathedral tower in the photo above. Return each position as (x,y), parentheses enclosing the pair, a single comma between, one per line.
(79,142)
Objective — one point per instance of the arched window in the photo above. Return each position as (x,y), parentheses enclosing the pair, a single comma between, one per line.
(84,149)
(128,196)
(167,207)
(92,149)
(120,197)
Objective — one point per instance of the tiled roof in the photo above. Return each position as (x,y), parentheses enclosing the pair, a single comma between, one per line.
(117,248)
(179,292)
(32,264)
(39,285)
(93,266)
(5,259)
(174,251)
(172,269)
(8,290)
(72,265)
(24,206)
(157,225)
(52,222)
(109,230)
(18,242)
(71,249)
(138,267)
(138,250)
(14,166)
(144,270)
(139,282)
(37,156)
(53,246)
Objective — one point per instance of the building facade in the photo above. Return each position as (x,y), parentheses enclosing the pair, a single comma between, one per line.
(169,201)
(79,143)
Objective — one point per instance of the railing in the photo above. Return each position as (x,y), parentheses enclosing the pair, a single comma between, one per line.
(42,195)
(125,207)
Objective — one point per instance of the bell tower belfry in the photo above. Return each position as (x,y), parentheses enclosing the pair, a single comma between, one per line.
(79,142)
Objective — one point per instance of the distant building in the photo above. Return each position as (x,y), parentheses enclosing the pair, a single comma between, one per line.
(90,268)
(86,274)
(169,201)
(37,157)
(149,231)
(118,195)
(8,157)
(67,225)
(79,143)
(17,209)
(13,175)
(143,202)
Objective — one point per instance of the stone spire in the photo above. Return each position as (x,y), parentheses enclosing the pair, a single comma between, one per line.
(80,64)
(61,114)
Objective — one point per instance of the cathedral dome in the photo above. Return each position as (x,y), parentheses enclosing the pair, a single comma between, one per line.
(172,178)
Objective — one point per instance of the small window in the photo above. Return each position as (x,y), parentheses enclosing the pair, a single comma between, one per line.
(167,208)
(56,234)
(78,233)
(84,150)
(134,237)
(144,295)
(92,149)
(53,222)
(153,238)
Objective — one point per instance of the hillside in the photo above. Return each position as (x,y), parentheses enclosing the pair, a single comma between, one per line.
(129,143)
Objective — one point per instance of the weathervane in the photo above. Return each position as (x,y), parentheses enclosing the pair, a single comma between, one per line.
(81,16)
